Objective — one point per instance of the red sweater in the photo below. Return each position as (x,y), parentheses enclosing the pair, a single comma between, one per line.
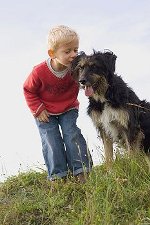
(43,90)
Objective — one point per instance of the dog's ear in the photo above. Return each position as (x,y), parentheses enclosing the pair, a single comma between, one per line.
(75,65)
(110,58)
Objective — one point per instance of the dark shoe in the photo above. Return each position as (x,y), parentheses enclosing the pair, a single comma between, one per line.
(80,178)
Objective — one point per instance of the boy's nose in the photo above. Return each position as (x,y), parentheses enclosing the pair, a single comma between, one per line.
(73,54)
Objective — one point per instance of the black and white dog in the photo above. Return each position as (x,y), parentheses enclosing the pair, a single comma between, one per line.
(116,111)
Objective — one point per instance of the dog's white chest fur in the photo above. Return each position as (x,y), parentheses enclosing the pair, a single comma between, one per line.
(113,121)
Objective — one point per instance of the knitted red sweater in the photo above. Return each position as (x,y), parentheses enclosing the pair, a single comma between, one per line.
(43,90)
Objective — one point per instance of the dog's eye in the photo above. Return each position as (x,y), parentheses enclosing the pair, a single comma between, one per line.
(80,68)
(94,67)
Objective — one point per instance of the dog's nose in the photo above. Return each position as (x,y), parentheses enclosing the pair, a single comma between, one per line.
(82,81)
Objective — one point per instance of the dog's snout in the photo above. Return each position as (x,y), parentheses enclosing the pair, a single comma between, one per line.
(82,81)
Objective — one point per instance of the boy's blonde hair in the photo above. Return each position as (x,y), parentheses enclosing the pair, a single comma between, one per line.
(60,35)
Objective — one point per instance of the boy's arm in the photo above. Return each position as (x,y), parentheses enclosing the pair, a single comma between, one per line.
(31,88)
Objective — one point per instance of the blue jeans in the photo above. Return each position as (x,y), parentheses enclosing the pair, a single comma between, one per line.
(64,147)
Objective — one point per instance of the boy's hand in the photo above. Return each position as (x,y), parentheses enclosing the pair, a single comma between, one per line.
(43,116)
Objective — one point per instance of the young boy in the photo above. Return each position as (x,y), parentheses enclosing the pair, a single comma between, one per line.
(51,94)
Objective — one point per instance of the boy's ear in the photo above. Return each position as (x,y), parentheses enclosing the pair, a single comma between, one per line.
(51,53)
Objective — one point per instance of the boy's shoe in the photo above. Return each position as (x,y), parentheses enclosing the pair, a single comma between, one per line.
(80,178)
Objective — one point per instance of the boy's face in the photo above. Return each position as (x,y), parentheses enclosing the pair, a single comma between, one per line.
(65,53)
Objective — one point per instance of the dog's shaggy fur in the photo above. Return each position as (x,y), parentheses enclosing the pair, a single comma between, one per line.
(116,111)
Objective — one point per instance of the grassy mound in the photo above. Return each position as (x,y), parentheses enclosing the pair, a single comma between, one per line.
(118,197)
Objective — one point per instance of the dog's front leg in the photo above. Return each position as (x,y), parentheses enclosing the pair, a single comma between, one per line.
(108,147)
(134,146)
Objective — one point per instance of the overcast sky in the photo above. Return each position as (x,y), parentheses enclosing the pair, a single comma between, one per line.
(123,26)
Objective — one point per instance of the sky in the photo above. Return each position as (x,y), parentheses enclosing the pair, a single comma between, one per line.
(122,26)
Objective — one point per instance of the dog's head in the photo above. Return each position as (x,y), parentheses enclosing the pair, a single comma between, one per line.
(75,66)
(95,72)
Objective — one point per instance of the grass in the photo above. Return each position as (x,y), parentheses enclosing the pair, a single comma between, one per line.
(120,196)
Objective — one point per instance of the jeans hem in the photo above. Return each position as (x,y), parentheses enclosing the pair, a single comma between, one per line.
(58,175)
(82,170)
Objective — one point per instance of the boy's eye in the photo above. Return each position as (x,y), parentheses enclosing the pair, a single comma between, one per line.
(67,52)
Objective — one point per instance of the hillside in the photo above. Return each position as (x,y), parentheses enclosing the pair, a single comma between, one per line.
(118,197)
